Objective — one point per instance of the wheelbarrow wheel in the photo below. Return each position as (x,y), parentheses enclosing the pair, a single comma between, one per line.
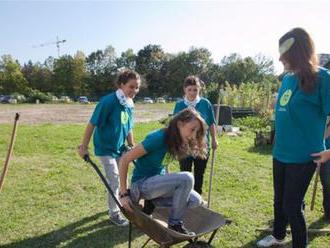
(198,244)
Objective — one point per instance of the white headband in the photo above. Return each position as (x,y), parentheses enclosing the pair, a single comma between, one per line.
(286,45)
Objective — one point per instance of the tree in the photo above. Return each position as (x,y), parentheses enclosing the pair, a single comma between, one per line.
(38,76)
(11,78)
(149,63)
(101,71)
(63,75)
(79,75)
(196,62)
(237,70)
(127,60)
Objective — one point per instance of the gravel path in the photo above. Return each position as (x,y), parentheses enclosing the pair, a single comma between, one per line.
(72,113)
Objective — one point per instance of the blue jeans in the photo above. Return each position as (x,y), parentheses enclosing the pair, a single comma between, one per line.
(325,180)
(171,190)
(199,170)
(290,185)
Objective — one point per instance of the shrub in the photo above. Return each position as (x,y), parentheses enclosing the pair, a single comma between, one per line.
(34,95)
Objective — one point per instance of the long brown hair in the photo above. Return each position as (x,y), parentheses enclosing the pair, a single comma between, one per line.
(176,147)
(301,58)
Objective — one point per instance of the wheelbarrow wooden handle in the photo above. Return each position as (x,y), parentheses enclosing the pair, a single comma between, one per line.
(217,116)
(9,153)
(317,175)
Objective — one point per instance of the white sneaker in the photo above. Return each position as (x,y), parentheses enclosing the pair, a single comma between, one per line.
(269,241)
(119,220)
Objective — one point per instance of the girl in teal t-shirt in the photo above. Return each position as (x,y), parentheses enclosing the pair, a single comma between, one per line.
(183,137)
(192,99)
(112,123)
(301,112)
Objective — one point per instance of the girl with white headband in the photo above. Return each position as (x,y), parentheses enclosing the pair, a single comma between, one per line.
(301,112)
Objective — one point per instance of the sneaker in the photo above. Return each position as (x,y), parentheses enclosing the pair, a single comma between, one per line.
(148,207)
(204,203)
(118,220)
(269,241)
(181,229)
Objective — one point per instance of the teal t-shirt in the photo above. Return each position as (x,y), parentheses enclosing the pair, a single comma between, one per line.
(300,119)
(151,164)
(204,107)
(112,122)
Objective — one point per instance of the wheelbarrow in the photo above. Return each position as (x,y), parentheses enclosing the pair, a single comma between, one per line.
(200,220)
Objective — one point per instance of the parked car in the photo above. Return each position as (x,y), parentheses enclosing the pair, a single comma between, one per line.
(160,100)
(7,99)
(83,99)
(148,100)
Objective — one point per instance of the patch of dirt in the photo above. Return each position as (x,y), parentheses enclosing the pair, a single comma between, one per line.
(70,113)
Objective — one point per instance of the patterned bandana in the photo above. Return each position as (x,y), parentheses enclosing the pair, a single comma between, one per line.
(191,104)
(123,100)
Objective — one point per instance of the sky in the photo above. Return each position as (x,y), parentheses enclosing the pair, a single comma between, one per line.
(223,27)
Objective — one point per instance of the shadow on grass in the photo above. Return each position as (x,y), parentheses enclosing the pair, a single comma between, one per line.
(263,150)
(318,224)
(83,233)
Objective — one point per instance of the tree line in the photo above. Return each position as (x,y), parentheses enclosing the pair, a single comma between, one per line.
(162,73)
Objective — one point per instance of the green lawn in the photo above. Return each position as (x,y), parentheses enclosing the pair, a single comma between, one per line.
(51,198)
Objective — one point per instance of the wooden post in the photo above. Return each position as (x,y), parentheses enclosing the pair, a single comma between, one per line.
(317,175)
(9,153)
(217,115)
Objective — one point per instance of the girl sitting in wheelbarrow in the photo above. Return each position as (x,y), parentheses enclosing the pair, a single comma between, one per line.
(184,136)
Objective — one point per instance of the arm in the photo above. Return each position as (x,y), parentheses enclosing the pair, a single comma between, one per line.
(321,157)
(130,138)
(327,132)
(123,164)
(213,131)
(83,147)
(213,126)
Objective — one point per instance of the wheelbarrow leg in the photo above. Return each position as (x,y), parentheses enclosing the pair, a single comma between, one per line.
(145,243)
(129,234)
(212,236)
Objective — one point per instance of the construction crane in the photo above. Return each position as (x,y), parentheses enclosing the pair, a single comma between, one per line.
(57,43)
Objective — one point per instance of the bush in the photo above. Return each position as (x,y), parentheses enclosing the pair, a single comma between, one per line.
(34,95)
(19,97)
(254,123)
(257,96)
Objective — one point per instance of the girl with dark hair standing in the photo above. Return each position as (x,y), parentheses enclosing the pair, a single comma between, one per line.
(112,123)
(184,136)
(192,86)
(301,112)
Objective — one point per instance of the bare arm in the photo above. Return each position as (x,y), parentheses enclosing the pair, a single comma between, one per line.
(83,148)
(213,131)
(321,157)
(124,162)
(327,132)
(130,138)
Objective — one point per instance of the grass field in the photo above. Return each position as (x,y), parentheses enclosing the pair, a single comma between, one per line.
(51,198)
